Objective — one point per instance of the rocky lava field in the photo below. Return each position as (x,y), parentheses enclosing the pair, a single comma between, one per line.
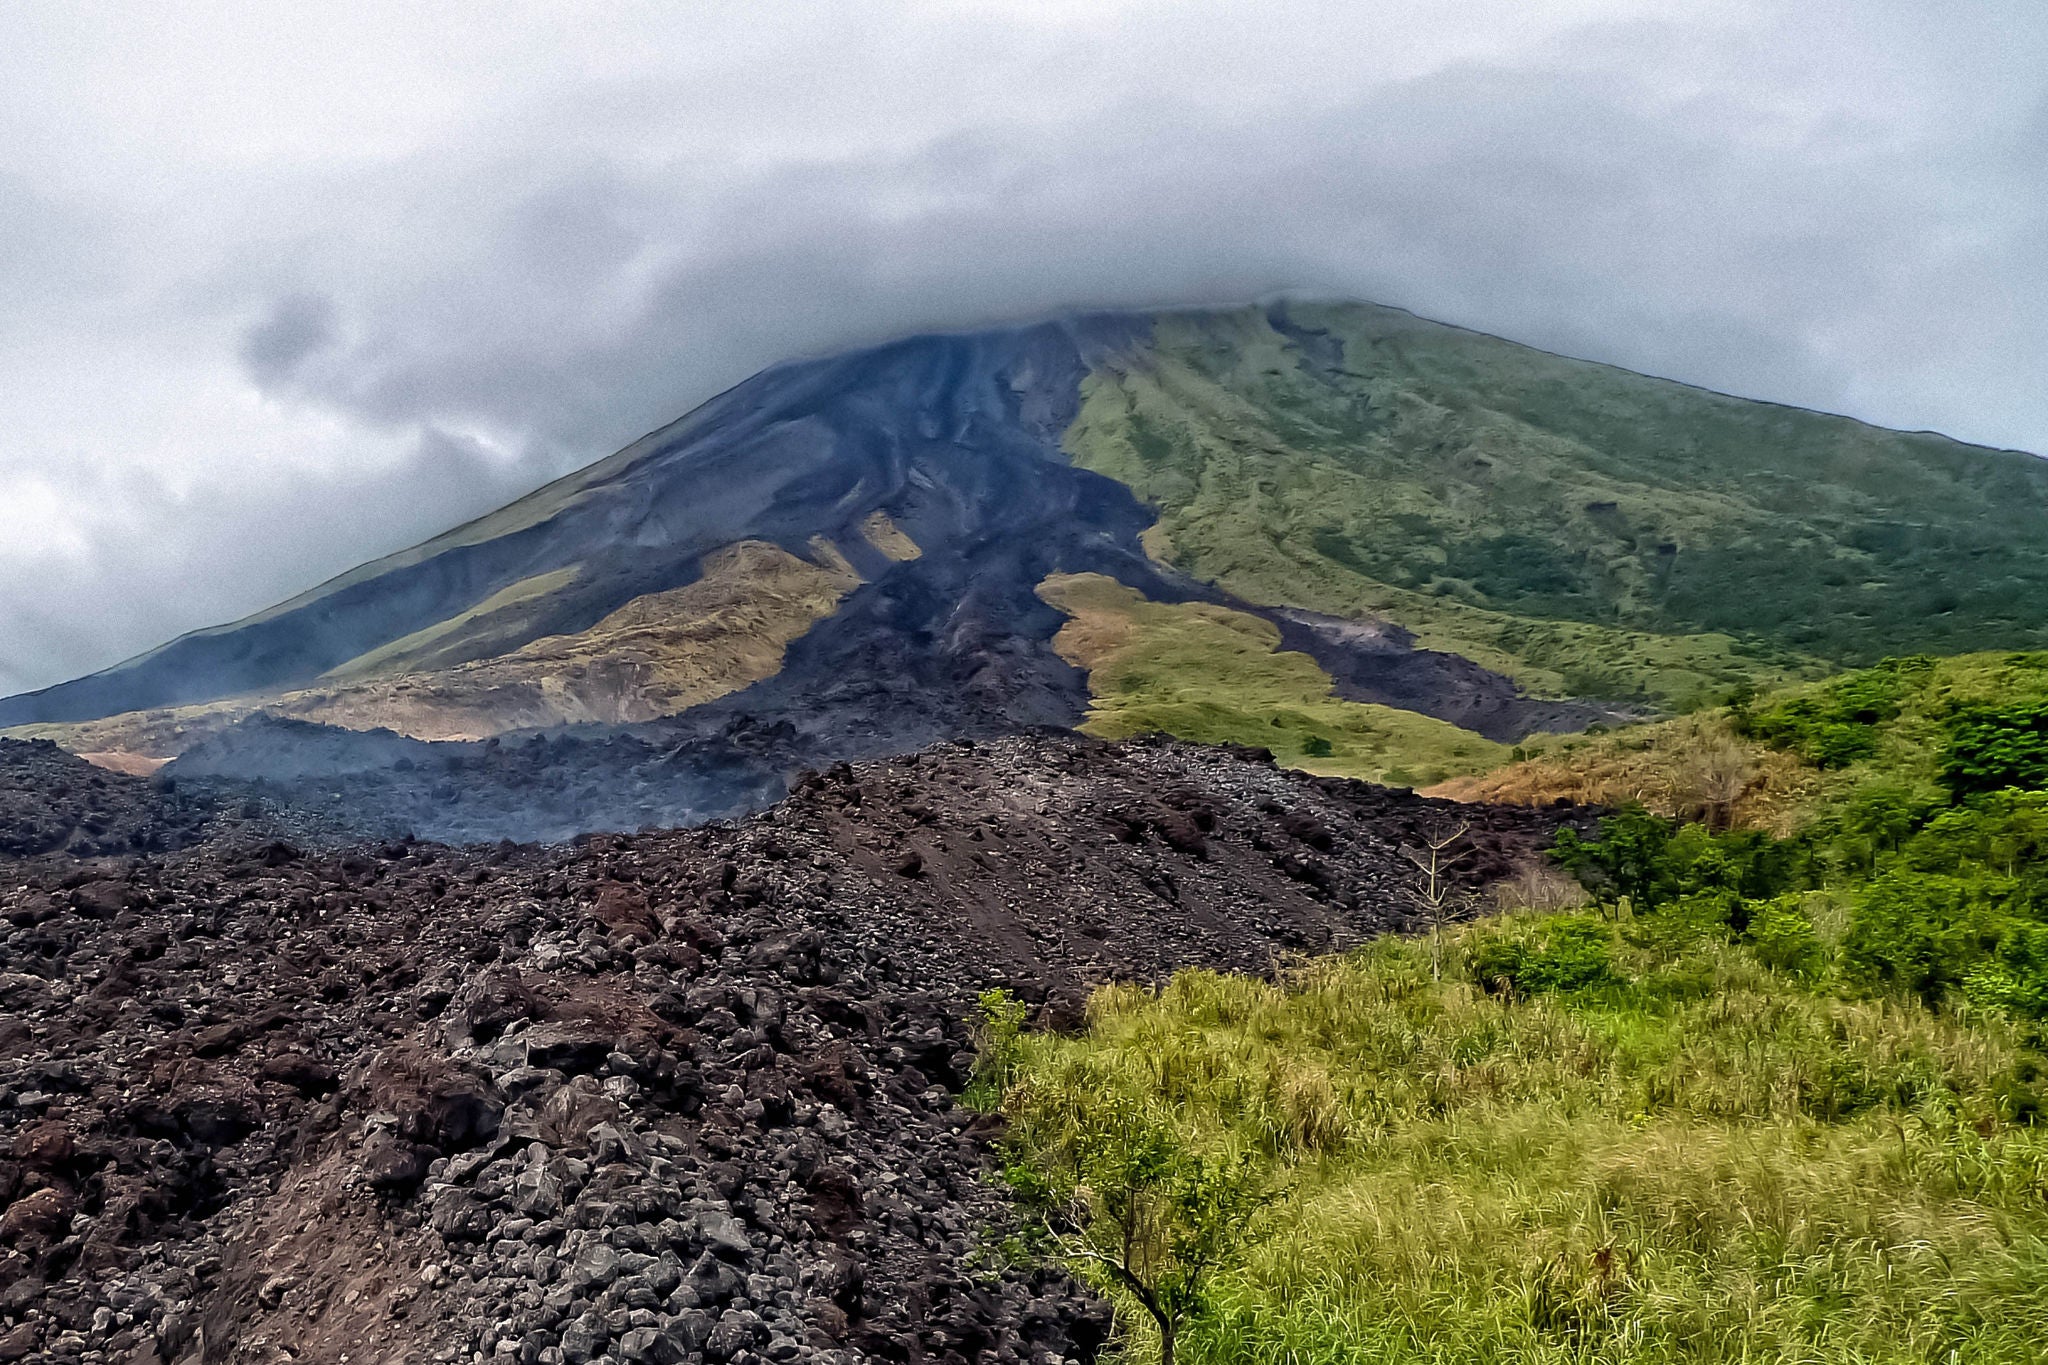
(678,1096)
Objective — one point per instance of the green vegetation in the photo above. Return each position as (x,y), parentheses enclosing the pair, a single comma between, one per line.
(1148,1213)
(1216,676)
(1773,1095)
(1587,530)
(1592,1141)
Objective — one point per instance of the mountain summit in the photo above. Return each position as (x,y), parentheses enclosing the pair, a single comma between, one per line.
(1374,544)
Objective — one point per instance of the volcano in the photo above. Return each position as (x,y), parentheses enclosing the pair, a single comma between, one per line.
(1374,545)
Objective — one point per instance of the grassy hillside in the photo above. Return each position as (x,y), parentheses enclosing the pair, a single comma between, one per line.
(1783,760)
(1591,531)
(1693,1156)
(1216,676)
(1778,1091)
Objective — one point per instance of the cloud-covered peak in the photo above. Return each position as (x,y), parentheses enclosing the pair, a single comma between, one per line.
(278,295)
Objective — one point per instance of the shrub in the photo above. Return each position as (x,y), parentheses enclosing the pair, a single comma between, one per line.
(1918,933)
(1683,924)
(1782,935)
(998,1040)
(1652,862)
(1628,859)
(1560,953)
(1834,727)
(2015,979)
(1989,748)
(1129,1202)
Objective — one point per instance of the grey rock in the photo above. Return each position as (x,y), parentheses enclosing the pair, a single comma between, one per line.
(536,1192)
(713,1281)
(639,1345)
(518,1082)
(736,1331)
(594,1268)
(608,1144)
(721,1232)
(665,1274)
(458,1217)
(581,1343)
(683,1338)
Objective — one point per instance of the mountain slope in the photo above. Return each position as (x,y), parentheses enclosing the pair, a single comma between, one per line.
(1588,530)
(858,549)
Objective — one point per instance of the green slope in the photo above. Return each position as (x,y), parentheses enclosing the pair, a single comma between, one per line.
(1215,676)
(1699,1158)
(1588,530)
(1767,1098)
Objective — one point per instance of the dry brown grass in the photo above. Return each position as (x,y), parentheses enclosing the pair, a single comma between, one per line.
(1694,767)
(658,654)
(1537,887)
(887,537)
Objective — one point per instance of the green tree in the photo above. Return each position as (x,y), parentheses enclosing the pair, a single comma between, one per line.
(1124,1195)
(1990,748)
(998,1040)
(1628,859)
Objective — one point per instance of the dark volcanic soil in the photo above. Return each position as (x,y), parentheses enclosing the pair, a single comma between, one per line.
(657,1098)
(50,801)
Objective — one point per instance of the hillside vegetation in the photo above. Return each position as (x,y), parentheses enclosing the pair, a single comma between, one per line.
(1782,760)
(1216,676)
(1776,1091)
(1590,531)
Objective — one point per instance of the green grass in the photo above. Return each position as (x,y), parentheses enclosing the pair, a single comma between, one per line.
(1698,1159)
(1586,530)
(1215,676)
(1781,1096)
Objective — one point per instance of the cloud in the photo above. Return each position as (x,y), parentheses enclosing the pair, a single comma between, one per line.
(292,297)
(297,327)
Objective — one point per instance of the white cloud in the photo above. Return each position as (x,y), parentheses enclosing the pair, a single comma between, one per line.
(283,288)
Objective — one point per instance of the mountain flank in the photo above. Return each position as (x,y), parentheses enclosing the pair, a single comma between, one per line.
(1375,545)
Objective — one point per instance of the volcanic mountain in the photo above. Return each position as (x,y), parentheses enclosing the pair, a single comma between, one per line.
(1375,545)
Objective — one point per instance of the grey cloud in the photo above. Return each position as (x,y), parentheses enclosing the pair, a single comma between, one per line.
(297,327)
(234,549)
(1542,206)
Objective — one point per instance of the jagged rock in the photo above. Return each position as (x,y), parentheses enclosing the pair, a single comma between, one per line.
(38,1217)
(721,1233)
(307,1075)
(391,1163)
(458,1217)
(536,1192)
(711,1281)
(682,1339)
(743,1125)
(581,1342)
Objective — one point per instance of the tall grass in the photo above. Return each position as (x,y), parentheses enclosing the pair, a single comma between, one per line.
(1698,1160)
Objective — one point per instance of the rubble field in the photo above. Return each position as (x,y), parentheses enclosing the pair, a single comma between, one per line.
(667,1097)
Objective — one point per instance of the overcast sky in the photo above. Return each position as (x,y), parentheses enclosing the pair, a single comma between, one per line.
(284,287)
